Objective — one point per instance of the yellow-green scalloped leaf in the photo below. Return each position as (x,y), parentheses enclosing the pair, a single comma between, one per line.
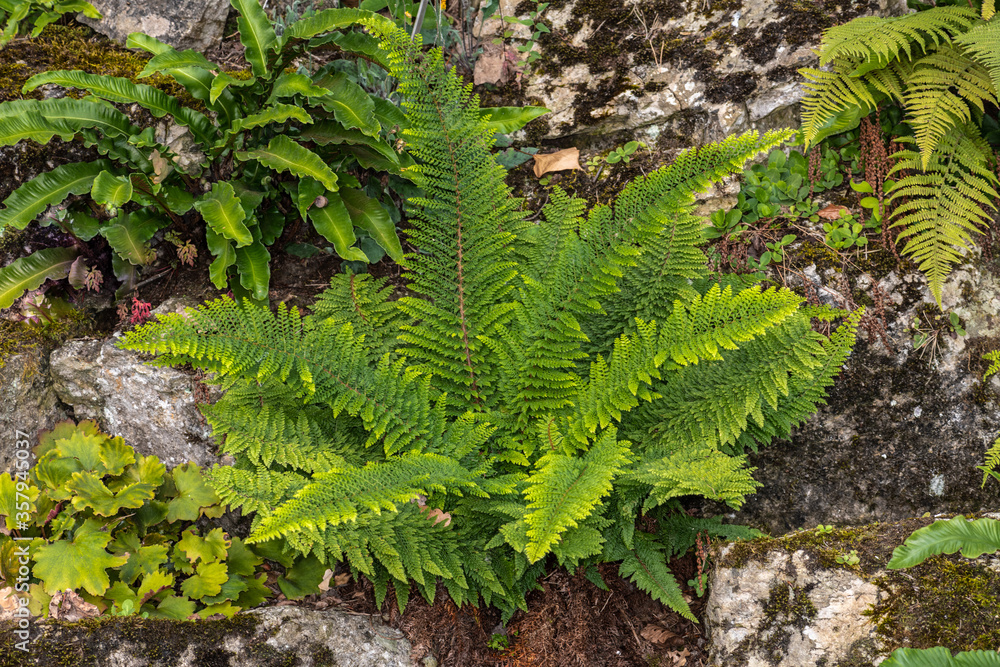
(283,154)
(10,498)
(207,582)
(173,607)
(145,560)
(91,492)
(82,563)
(193,494)
(208,549)
(29,273)
(224,608)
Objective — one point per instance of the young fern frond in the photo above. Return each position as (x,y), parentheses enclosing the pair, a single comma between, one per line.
(994,358)
(364,302)
(982,43)
(940,208)
(991,462)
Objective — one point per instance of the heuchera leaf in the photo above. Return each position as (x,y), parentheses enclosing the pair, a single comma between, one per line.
(9,500)
(82,563)
(207,549)
(241,560)
(84,445)
(255,593)
(193,494)
(144,560)
(207,582)
(115,455)
(174,608)
(303,578)
(91,492)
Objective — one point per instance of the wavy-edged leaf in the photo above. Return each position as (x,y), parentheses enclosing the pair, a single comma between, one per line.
(972,538)
(370,216)
(330,132)
(224,213)
(111,189)
(506,120)
(327,20)
(366,45)
(939,656)
(124,91)
(256,33)
(253,264)
(40,120)
(174,59)
(276,113)
(82,563)
(31,199)
(130,233)
(29,272)
(334,223)
(350,104)
(225,256)
(284,154)
(222,81)
(291,84)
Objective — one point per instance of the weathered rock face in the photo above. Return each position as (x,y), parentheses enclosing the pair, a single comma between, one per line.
(268,637)
(154,408)
(698,70)
(904,430)
(184,24)
(788,603)
(28,402)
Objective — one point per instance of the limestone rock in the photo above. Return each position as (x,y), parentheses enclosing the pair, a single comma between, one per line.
(267,637)
(28,401)
(184,24)
(154,408)
(697,71)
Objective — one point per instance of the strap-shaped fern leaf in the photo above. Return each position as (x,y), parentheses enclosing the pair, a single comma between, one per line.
(972,538)
(938,94)
(940,208)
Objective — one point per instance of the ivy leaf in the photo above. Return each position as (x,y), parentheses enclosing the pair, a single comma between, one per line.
(193,494)
(207,549)
(82,563)
(370,216)
(303,578)
(224,213)
(207,582)
(91,492)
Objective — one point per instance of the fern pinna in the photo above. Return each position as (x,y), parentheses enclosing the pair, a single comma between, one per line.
(541,385)
(942,67)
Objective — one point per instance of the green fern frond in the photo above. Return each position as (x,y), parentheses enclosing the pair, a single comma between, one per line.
(938,94)
(940,208)
(991,462)
(994,358)
(255,488)
(982,43)
(647,568)
(697,472)
(880,40)
(836,101)
(363,301)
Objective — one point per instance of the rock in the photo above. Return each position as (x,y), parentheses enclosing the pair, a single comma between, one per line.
(695,71)
(28,401)
(903,430)
(184,24)
(268,637)
(154,408)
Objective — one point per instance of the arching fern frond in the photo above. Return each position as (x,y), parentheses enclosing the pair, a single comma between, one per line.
(940,208)
(983,43)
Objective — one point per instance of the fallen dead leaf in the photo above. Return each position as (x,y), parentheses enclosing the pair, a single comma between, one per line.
(490,65)
(325,584)
(439,516)
(8,603)
(342,578)
(832,212)
(568,158)
(656,634)
(68,606)
(680,658)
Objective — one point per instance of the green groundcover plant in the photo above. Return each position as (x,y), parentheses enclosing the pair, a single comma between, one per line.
(117,528)
(538,388)
(19,14)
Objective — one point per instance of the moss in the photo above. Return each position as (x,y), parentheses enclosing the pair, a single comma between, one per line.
(786,606)
(945,601)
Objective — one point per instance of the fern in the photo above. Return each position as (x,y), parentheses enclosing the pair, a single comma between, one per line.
(469,430)
(941,66)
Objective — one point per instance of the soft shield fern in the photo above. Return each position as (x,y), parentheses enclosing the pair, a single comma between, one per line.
(941,66)
(526,398)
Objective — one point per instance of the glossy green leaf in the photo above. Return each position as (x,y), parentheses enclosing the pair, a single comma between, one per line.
(334,223)
(253,263)
(327,20)
(111,189)
(277,113)
(222,81)
(972,538)
(224,213)
(290,84)
(130,233)
(370,216)
(350,104)
(256,34)
(506,120)
(48,189)
(283,154)
(306,194)
(225,256)
(30,272)
(174,59)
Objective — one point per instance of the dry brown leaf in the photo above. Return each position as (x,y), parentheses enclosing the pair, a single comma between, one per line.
(342,579)
(656,634)
(161,166)
(325,584)
(490,65)
(68,606)
(439,516)
(568,158)
(832,212)
(680,658)
(9,603)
